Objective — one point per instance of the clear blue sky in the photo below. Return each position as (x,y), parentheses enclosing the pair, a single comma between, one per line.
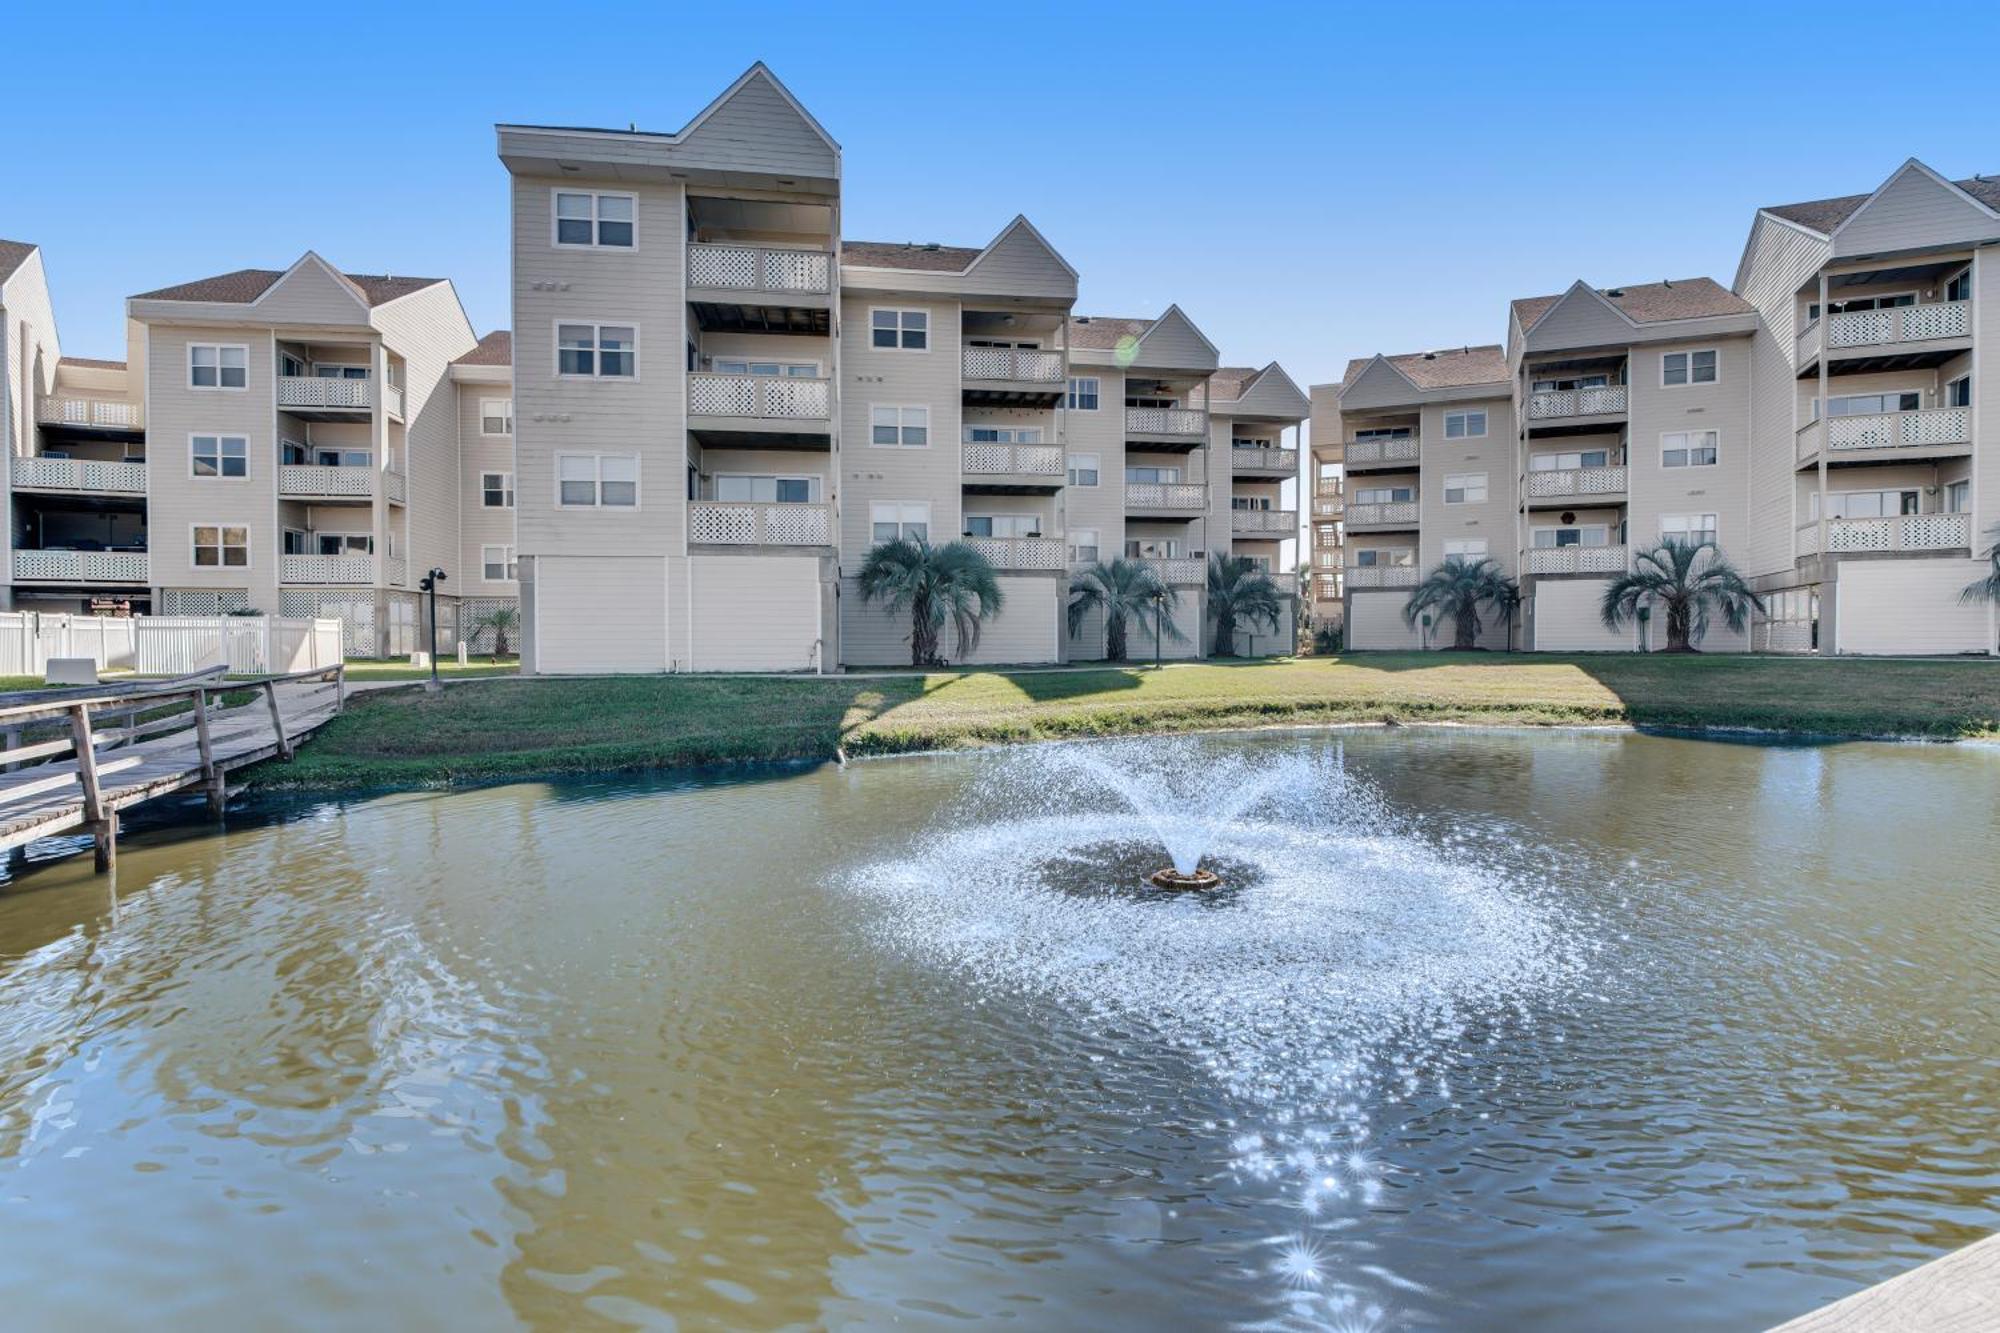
(1309,183)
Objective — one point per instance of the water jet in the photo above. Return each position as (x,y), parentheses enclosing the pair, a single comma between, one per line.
(1198,879)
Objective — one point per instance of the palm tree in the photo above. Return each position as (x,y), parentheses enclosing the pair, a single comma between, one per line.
(1458,588)
(1986,589)
(1239,590)
(935,584)
(502,620)
(1691,581)
(1125,591)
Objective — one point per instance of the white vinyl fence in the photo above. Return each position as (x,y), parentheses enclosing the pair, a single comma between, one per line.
(169,645)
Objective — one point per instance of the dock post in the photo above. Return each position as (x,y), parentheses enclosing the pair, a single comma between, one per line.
(212,779)
(277,720)
(102,823)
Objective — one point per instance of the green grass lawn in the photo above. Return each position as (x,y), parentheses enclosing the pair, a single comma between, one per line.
(531,727)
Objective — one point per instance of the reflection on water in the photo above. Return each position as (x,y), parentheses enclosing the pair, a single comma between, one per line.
(1490,1030)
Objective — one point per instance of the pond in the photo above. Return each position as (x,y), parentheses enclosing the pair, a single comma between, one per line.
(1481,1030)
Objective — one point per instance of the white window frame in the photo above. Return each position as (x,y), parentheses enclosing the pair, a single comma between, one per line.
(996,518)
(1837,502)
(1079,463)
(596,222)
(1002,434)
(1690,353)
(221,545)
(1074,393)
(1559,462)
(1958,496)
(1385,495)
(899,511)
(597,504)
(596,327)
(1688,446)
(1469,548)
(812,486)
(508,564)
(1157,469)
(901,424)
(1713,527)
(781,370)
(506,406)
(1075,543)
(1465,431)
(900,312)
(345,537)
(1372,557)
(219,386)
(218,475)
(1465,483)
(506,489)
(1602,531)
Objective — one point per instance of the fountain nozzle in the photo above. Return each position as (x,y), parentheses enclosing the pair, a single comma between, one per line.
(1167,877)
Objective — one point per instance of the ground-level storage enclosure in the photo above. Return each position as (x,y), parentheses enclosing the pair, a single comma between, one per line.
(1909,608)
(1026,630)
(1188,617)
(751,613)
(584,614)
(1568,618)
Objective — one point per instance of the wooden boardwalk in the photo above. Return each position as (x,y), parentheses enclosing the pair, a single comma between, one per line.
(1959,1293)
(100,750)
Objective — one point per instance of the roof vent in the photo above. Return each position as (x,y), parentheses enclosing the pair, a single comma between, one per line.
(1430,356)
(932,245)
(1666,282)
(1614,291)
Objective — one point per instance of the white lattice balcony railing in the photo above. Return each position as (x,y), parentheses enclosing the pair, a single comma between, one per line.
(102,413)
(1380,576)
(1327,555)
(1393,511)
(759,268)
(1576,559)
(1544,482)
(1264,460)
(1397,450)
(1165,421)
(392,400)
(1271,522)
(315,480)
(1328,506)
(1177,570)
(398,571)
(1602,401)
(1899,532)
(1021,552)
(396,486)
(83,566)
(771,397)
(324,391)
(1011,363)
(754,523)
(1929,426)
(1178,496)
(1020,460)
(1900,324)
(1807,344)
(79,474)
(326,569)
(1329,487)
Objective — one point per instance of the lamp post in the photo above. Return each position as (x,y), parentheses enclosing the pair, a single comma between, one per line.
(1645,614)
(430,585)
(1159,610)
(1427,631)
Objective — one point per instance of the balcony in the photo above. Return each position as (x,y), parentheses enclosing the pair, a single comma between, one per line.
(760,288)
(311,481)
(1178,571)
(93,414)
(397,487)
(1176,428)
(1900,532)
(1021,552)
(1012,376)
(1559,404)
(1576,560)
(82,567)
(1569,482)
(759,411)
(324,398)
(1180,499)
(1389,514)
(1393,452)
(1327,555)
(754,523)
(1380,576)
(326,569)
(1922,428)
(1328,502)
(1270,524)
(80,475)
(1264,462)
(1899,331)
(1013,469)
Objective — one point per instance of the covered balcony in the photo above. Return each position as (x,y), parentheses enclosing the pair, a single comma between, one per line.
(1260,462)
(74,415)
(760,265)
(308,481)
(1897,532)
(1376,449)
(77,566)
(1171,499)
(1328,502)
(82,476)
(1575,559)
(1917,433)
(741,524)
(1556,486)
(1909,316)
(1011,469)
(1264,524)
(1026,553)
(353,567)
(1577,395)
(1380,576)
(1009,358)
(325,397)
(760,411)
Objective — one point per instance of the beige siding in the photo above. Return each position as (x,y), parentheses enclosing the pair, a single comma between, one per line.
(1724,407)
(756,129)
(1099,508)
(1375,622)
(869,635)
(1910,211)
(312,294)
(480,526)
(1910,607)
(1986,397)
(895,377)
(1019,264)
(428,330)
(1581,318)
(1026,628)
(754,613)
(600,613)
(1567,620)
(1779,259)
(1495,455)
(1175,343)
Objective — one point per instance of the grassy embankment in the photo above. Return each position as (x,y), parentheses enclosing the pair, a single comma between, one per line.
(500,729)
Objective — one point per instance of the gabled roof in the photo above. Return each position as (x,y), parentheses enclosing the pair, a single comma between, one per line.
(930,258)
(758,72)
(1650,302)
(1252,393)
(245,285)
(495,349)
(1447,368)
(1105,331)
(13,254)
(90,363)
(1230,382)
(1825,215)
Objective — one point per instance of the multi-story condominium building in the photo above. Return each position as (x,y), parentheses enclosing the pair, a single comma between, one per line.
(722,406)
(1824,422)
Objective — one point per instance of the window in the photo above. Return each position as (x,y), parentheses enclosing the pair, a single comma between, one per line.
(890,522)
(216,546)
(796,370)
(1571,382)
(1688,368)
(496,490)
(1153,548)
(1960,286)
(1083,548)
(496,563)
(1464,425)
(1003,434)
(1866,504)
(344,543)
(342,457)
(596,221)
(1582,534)
(1569,462)
(597,351)
(219,455)
(1003,525)
(1082,394)
(289,364)
(1383,495)
(1465,488)
(216,366)
(1688,527)
(1239,442)
(1465,548)
(1083,469)
(1373,557)
(292,541)
(1256,502)
(1868,404)
(334,371)
(1689,448)
(1152,475)
(1958,392)
(1958,497)
(905,330)
(899,427)
(597,481)
(1382,433)
(496,416)
(766,490)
